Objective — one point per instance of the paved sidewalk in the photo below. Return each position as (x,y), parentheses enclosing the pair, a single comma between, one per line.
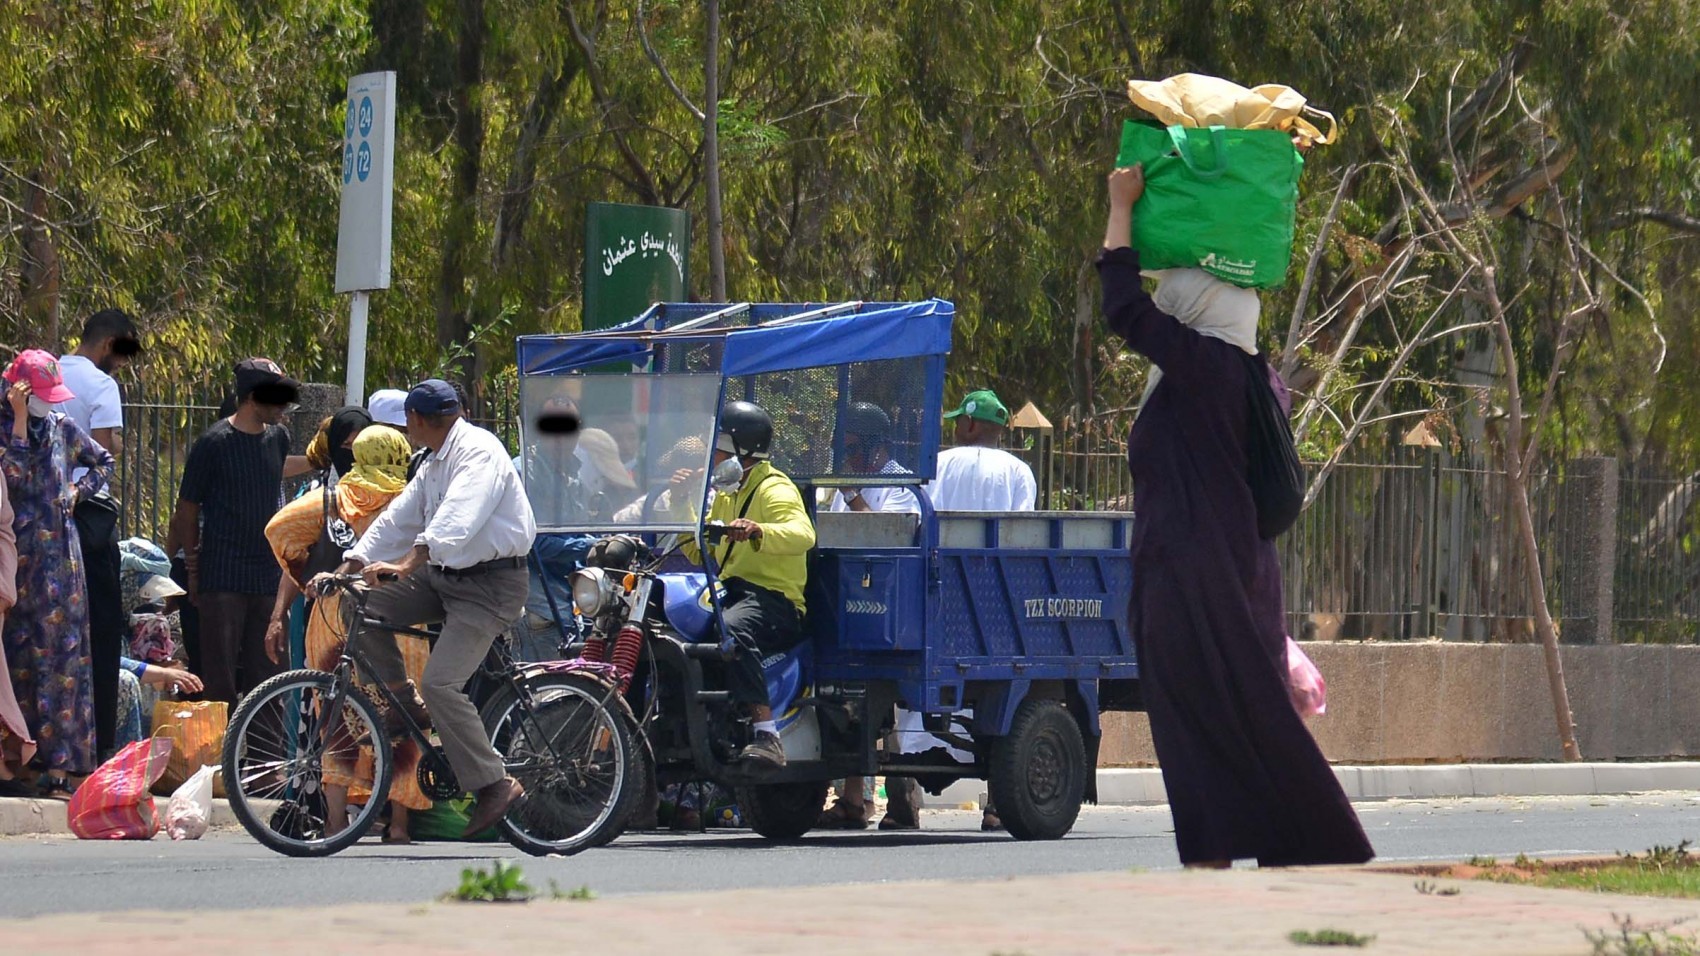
(1239,911)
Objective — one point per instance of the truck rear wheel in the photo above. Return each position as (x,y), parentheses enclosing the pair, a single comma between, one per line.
(782,811)
(1038,772)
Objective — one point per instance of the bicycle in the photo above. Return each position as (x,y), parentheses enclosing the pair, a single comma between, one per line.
(561,732)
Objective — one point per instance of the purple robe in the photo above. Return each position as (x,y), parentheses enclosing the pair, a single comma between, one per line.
(1244,776)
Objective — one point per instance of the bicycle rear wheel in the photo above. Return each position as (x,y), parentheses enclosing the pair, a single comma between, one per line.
(280,743)
(574,752)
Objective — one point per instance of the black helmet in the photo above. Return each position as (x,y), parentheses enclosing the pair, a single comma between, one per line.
(867,421)
(746,430)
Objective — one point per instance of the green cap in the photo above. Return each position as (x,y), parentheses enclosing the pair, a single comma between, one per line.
(983,405)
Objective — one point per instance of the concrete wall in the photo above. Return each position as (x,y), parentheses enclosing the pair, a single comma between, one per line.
(1431,702)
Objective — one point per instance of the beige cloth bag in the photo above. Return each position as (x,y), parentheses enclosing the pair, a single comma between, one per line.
(1196,100)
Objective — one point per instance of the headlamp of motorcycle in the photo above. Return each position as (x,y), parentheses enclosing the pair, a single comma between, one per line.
(593,590)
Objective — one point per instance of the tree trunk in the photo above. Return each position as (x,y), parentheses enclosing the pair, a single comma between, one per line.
(460,225)
(39,287)
(1515,474)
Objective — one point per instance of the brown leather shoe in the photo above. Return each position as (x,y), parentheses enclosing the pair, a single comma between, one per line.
(492,804)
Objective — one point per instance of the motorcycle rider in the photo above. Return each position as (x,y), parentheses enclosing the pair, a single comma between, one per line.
(763,562)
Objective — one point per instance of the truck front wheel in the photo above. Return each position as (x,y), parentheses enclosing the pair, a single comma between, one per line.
(782,811)
(1038,772)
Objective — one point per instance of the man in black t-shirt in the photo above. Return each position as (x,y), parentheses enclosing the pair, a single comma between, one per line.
(232,485)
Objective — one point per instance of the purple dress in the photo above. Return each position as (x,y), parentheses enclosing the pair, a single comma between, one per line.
(47,631)
(1244,776)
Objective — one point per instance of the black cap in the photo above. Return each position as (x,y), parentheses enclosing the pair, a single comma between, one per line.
(433,397)
(262,378)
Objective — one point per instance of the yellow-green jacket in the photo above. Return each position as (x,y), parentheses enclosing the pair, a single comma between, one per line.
(778,560)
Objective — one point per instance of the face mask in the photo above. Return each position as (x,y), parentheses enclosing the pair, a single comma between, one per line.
(38,408)
(342,459)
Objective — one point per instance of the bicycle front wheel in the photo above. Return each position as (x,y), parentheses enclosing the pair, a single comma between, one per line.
(286,736)
(564,739)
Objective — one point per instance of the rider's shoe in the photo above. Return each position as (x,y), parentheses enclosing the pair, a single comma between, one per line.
(492,804)
(764,753)
(394,725)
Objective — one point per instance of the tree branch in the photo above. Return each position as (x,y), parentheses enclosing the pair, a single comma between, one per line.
(655,58)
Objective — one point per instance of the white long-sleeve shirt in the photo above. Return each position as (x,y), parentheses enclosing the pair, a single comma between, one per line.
(466,506)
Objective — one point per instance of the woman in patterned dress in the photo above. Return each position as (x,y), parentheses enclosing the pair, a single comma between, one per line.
(377,475)
(47,630)
(16,746)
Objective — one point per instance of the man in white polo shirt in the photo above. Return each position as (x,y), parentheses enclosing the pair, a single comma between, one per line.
(109,342)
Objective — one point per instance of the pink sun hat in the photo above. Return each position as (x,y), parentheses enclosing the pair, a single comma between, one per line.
(41,370)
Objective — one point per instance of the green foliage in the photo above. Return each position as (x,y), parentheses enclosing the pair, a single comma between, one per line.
(180,160)
(1661,871)
(582,894)
(500,884)
(1328,937)
(1632,940)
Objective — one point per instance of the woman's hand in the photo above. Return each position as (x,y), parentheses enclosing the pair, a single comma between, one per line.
(176,678)
(277,641)
(1127,184)
(18,396)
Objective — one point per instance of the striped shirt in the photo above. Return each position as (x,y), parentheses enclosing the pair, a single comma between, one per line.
(237,479)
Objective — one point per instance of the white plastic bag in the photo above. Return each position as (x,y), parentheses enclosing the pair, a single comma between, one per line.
(190,810)
(1304,683)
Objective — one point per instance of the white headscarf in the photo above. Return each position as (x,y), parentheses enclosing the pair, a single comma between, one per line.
(1208,306)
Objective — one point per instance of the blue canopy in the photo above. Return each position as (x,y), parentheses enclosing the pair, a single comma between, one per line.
(862,333)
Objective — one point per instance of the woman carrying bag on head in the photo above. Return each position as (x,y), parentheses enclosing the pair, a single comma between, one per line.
(315,529)
(1244,776)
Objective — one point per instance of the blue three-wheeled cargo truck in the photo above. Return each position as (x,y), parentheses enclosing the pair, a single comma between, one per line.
(941,645)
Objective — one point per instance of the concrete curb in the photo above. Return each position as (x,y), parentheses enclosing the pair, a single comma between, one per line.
(1120,786)
(47,817)
(1143,786)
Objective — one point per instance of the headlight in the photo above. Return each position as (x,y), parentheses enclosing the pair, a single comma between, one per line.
(593,590)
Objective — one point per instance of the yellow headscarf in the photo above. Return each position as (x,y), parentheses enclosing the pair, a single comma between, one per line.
(379,473)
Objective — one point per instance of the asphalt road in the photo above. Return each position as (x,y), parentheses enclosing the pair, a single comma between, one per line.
(229,870)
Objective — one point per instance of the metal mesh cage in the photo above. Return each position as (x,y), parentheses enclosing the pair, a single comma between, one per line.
(811,408)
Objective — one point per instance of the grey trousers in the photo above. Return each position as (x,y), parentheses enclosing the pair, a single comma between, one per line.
(473,610)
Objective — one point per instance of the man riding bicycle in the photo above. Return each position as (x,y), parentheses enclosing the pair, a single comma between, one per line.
(454,544)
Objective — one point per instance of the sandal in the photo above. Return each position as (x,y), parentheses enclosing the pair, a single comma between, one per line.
(990,823)
(892,822)
(53,788)
(843,816)
(903,806)
(17,788)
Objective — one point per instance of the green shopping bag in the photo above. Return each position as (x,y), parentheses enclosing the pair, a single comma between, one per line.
(445,821)
(1217,199)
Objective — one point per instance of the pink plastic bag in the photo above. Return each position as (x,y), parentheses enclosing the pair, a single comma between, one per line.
(114,802)
(1304,683)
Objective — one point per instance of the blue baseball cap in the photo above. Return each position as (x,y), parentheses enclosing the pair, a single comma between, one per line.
(433,397)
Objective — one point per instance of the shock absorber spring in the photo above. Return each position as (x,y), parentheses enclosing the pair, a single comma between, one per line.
(595,650)
(628,644)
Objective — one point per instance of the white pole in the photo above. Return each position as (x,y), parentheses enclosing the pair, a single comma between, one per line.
(357,348)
